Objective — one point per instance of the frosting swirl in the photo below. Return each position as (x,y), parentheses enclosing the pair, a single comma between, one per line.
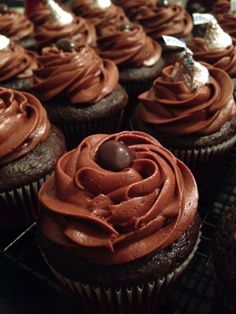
(100,18)
(128,47)
(118,216)
(23,124)
(228,22)
(16,62)
(224,58)
(156,20)
(173,109)
(15,25)
(79,30)
(81,76)
(39,14)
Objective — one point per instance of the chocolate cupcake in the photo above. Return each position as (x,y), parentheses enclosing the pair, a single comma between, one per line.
(215,48)
(17,65)
(100,17)
(159,19)
(16,26)
(191,110)
(137,56)
(224,257)
(29,148)
(63,24)
(127,201)
(79,90)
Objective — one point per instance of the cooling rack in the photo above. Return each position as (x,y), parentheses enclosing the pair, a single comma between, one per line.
(195,294)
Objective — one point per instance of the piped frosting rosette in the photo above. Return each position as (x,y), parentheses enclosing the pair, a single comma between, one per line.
(118,216)
(23,124)
(81,76)
(174,109)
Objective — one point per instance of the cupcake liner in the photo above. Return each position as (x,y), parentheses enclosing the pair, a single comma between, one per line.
(144,298)
(204,162)
(19,207)
(76,132)
(226,296)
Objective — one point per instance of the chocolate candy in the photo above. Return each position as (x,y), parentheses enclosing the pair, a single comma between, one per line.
(126,26)
(114,156)
(3,8)
(67,45)
(162,3)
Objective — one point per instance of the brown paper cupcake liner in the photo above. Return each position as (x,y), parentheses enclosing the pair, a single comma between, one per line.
(75,132)
(226,296)
(204,162)
(135,299)
(19,207)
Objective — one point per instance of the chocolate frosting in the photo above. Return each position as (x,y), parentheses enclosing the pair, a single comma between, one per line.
(173,109)
(79,30)
(128,47)
(81,76)
(118,216)
(224,58)
(40,14)
(157,20)
(221,7)
(16,62)
(15,25)
(23,124)
(100,18)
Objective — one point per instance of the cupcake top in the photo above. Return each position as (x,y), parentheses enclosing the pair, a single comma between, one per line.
(221,7)
(13,24)
(23,124)
(157,19)
(63,24)
(118,197)
(16,62)
(227,20)
(39,14)
(128,45)
(215,48)
(99,17)
(76,73)
(174,108)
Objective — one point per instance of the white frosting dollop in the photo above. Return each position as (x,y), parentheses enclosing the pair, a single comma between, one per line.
(4,42)
(59,16)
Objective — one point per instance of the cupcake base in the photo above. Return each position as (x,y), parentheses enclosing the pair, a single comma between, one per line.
(21,179)
(79,121)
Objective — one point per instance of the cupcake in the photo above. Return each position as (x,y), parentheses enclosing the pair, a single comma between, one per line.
(215,48)
(29,148)
(191,110)
(224,258)
(137,56)
(63,24)
(100,17)
(79,90)
(226,19)
(159,19)
(16,26)
(17,65)
(119,222)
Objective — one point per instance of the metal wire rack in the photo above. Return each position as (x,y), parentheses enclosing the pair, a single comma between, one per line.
(195,294)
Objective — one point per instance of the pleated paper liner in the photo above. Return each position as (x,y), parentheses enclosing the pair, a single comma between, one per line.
(75,132)
(19,207)
(145,298)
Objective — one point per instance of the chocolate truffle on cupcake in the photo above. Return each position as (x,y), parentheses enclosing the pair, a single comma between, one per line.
(100,14)
(137,56)
(16,26)
(126,200)
(29,148)
(191,110)
(159,17)
(224,257)
(17,65)
(79,90)
(64,24)
(215,48)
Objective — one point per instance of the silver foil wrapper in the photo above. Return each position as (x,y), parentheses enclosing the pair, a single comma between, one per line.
(102,4)
(215,37)
(58,15)
(4,42)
